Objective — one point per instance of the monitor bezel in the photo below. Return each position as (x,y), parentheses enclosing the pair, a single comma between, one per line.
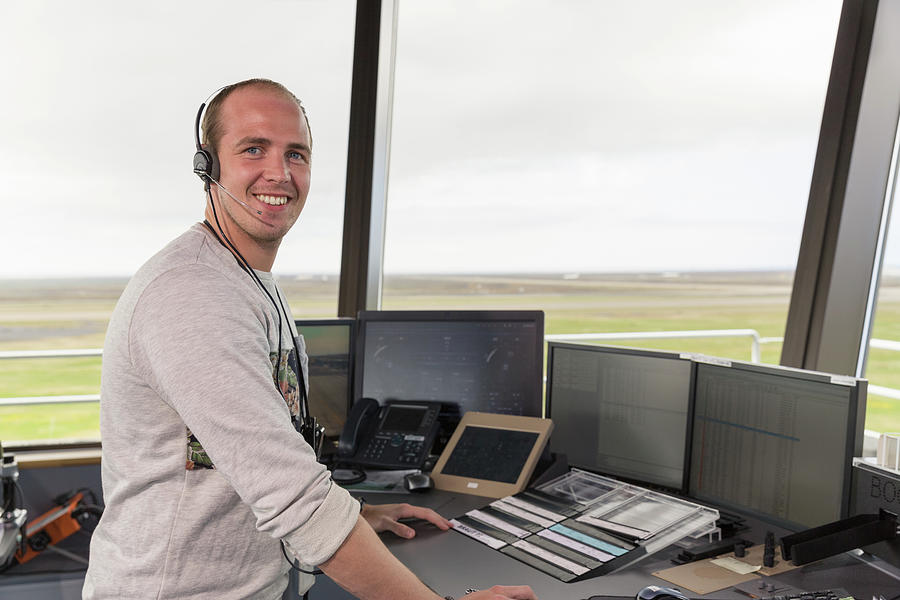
(553,346)
(458,316)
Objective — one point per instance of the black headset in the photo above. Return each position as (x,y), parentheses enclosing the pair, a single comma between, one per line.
(206,163)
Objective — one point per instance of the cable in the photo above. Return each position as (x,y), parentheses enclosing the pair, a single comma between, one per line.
(279,309)
(8,504)
(23,543)
(65,497)
(90,493)
(304,401)
(299,424)
(296,565)
(242,262)
(354,475)
(82,513)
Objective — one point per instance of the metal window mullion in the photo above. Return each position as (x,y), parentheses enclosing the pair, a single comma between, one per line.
(384,109)
(881,242)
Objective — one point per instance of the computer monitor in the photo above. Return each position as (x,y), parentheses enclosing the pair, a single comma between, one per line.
(329,346)
(621,412)
(486,361)
(776,442)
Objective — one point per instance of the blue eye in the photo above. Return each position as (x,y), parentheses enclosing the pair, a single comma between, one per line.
(253,150)
(296,156)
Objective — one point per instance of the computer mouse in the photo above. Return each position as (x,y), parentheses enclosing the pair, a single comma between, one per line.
(655,592)
(418,482)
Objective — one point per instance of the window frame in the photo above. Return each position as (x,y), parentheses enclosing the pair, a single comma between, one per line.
(839,263)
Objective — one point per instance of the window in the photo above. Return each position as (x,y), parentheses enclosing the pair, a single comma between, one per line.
(626,167)
(882,411)
(96,148)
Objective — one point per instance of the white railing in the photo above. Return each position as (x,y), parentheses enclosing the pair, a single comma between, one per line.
(755,339)
(28,400)
(755,342)
(51,353)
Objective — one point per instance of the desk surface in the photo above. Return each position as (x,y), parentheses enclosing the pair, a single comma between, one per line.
(449,562)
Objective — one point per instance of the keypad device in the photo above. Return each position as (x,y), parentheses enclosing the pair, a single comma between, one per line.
(402,437)
(830,594)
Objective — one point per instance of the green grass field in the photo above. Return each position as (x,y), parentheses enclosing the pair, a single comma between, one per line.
(60,315)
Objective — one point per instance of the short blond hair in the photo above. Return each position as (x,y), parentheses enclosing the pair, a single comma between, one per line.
(212,118)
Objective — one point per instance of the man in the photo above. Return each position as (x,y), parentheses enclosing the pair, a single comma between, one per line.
(207,484)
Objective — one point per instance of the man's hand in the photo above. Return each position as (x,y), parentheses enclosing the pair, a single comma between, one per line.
(386,517)
(503,592)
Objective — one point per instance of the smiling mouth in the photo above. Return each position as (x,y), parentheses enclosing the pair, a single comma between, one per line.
(272,200)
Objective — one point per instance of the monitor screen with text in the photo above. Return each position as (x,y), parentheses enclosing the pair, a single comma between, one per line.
(621,412)
(776,442)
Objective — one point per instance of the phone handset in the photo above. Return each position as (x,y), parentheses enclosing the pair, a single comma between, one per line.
(364,411)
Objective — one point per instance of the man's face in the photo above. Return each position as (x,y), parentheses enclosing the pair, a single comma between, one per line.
(264,155)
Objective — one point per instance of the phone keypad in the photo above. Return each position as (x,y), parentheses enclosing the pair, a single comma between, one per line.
(407,449)
(376,448)
(389,448)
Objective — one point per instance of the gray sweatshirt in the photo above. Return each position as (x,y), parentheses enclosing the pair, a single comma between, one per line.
(203,472)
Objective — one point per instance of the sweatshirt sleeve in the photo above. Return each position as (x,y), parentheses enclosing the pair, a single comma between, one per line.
(201,341)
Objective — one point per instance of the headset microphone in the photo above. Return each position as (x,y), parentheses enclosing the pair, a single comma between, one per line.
(224,189)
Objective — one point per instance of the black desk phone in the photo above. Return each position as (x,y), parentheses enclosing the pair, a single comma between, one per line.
(396,435)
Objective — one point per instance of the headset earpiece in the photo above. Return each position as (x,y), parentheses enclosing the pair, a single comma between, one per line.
(206,164)
(202,164)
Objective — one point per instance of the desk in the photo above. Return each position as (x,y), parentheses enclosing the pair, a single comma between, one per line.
(449,562)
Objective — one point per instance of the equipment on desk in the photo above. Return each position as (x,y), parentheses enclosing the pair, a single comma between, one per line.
(711,549)
(56,524)
(769,550)
(329,347)
(446,361)
(833,538)
(655,592)
(829,594)
(491,455)
(652,592)
(775,442)
(487,361)
(582,525)
(770,441)
(397,435)
(12,515)
(622,412)
(21,542)
(876,488)
(418,482)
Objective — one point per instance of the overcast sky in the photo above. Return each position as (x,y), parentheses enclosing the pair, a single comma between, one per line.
(528,135)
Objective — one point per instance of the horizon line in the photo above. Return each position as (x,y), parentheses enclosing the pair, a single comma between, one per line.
(568,274)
